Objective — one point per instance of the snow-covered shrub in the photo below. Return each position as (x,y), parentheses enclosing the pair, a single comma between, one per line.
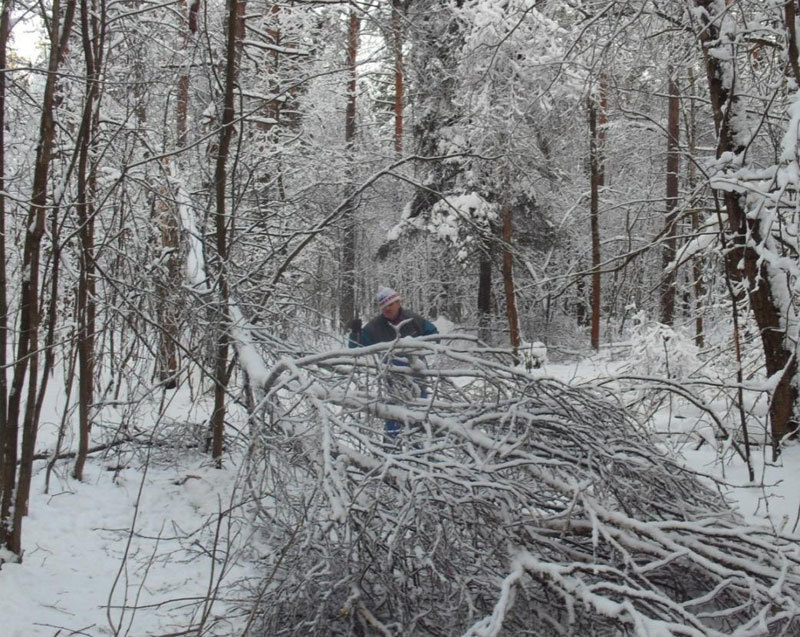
(661,350)
(533,355)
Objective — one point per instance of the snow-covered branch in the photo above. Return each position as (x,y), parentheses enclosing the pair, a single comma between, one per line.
(509,502)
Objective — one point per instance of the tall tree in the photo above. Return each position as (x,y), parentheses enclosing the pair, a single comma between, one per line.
(673,166)
(25,368)
(347,303)
(5,473)
(597,121)
(399,73)
(435,42)
(235,32)
(749,229)
(697,264)
(92,25)
(508,273)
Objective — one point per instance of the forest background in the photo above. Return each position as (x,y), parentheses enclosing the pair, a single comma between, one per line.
(197,198)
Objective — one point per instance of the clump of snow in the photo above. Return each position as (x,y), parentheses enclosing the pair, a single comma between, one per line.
(443,324)
(249,358)
(195,267)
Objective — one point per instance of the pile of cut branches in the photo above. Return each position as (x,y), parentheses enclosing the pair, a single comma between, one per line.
(509,504)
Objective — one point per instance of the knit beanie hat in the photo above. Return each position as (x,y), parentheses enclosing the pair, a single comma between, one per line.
(386,296)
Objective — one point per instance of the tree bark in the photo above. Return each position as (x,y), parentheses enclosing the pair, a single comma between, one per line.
(5,474)
(347,300)
(399,83)
(508,277)
(166,218)
(743,262)
(668,247)
(697,264)
(597,120)
(16,487)
(790,17)
(234,29)
(92,41)
(484,296)
(190,27)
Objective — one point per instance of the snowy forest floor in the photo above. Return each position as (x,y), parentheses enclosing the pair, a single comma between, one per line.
(139,547)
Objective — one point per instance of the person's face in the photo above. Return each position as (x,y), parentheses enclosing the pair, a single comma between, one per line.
(392,310)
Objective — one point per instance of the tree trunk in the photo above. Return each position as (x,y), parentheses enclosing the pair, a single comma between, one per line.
(92,42)
(165,217)
(221,229)
(6,468)
(190,27)
(597,120)
(673,165)
(347,300)
(743,262)
(790,18)
(580,304)
(16,487)
(508,277)
(397,33)
(484,296)
(697,264)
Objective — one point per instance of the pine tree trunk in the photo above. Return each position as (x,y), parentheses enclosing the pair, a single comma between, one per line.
(790,18)
(190,24)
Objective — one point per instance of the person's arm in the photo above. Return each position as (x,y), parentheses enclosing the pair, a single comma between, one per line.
(428,328)
(358,337)
(356,333)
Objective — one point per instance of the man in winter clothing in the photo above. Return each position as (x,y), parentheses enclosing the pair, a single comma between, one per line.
(384,327)
(393,322)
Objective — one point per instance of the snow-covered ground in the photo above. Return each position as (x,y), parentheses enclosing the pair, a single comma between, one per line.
(150,539)
(117,540)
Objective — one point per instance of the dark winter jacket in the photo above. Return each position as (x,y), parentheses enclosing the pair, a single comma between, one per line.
(381,330)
